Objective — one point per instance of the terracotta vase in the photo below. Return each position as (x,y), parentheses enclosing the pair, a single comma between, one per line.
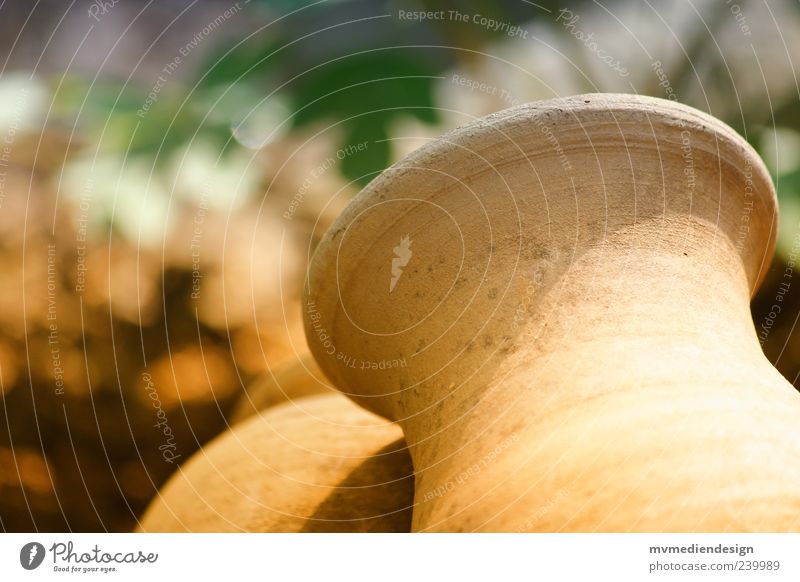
(296,378)
(316,464)
(553,303)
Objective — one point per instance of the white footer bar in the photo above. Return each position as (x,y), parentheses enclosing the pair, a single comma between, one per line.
(385,557)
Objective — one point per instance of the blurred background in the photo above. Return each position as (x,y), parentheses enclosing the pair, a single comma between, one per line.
(167,167)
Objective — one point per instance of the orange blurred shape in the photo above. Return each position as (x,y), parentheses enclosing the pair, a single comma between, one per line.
(136,481)
(260,348)
(25,467)
(125,277)
(9,368)
(202,376)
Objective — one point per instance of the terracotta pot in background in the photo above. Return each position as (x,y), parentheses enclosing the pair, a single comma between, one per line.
(316,464)
(296,378)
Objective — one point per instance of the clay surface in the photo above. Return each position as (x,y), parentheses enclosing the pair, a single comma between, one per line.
(553,303)
(297,378)
(317,464)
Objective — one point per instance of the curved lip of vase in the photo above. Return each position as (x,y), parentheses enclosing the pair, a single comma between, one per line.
(514,136)
(715,138)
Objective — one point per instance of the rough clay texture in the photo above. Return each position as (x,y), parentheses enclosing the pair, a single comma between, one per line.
(317,464)
(569,345)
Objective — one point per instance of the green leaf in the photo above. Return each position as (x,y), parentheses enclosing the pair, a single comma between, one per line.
(365,82)
(362,165)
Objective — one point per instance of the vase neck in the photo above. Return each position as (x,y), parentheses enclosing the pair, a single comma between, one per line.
(667,292)
(681,277)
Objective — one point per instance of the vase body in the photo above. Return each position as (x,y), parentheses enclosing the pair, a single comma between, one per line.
(297,378)
(568,346)
(318,464)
